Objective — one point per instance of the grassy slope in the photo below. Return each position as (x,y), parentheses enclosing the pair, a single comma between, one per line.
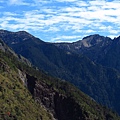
(14,97)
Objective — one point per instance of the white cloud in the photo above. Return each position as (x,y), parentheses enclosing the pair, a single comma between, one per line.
(64,16)
(71,38)
(81,3)
(17,2)
(112,36)
(66,0)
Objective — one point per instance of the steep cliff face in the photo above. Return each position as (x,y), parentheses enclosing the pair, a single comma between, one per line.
(61,106)
(64,101)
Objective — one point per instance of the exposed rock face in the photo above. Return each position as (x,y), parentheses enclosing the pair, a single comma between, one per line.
(31,82)
(67,109)
(44,95)
(1,47)
(61,106)
(22,76)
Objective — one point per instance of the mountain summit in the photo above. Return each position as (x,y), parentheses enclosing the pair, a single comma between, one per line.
(12,38)
(89,42)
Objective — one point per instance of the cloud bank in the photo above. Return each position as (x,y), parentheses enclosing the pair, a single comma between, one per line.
(61,20)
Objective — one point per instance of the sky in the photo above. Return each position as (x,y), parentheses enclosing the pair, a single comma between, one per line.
(61,20)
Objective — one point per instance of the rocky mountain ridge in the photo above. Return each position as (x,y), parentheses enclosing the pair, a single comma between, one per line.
(104,51)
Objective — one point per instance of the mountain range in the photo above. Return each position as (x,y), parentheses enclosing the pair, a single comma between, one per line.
(30,94)
(100,49)
(91,64)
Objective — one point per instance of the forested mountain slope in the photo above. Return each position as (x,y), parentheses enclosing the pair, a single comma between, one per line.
(100,49)
(59,98)
(101,83)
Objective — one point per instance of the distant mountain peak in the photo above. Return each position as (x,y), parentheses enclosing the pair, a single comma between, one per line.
(4,32)
(24,33)
(94,35)
(16,37)
(91,40)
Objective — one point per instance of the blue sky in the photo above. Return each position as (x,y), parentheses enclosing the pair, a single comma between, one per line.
(61,20)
